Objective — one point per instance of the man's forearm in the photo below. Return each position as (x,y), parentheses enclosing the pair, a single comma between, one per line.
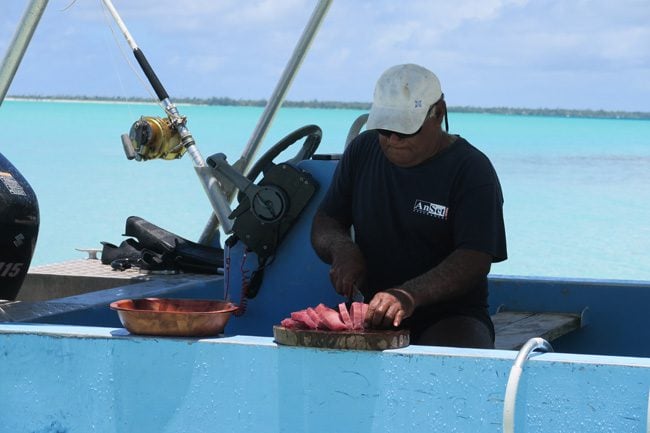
(329,235)
(454,276)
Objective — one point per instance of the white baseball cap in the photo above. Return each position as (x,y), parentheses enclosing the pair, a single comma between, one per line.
(403,96)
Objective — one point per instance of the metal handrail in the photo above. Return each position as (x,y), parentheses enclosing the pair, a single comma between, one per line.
(648,415)
(19,44)
(534,344)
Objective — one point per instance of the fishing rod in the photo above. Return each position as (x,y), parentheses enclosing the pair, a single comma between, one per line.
(153,137)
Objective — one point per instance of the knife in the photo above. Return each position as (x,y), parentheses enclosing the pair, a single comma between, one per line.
(356,295)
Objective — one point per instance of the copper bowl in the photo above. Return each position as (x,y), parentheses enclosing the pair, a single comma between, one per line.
(174,317)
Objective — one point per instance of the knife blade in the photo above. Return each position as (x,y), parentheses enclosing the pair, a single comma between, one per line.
(356,295)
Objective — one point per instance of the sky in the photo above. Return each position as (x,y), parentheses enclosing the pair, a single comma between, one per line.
(570,54)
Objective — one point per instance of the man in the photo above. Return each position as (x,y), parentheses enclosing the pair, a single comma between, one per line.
(426,211)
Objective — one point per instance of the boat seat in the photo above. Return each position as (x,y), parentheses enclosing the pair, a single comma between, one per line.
(514,328)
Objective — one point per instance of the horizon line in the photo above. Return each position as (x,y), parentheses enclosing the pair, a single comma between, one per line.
(314,103)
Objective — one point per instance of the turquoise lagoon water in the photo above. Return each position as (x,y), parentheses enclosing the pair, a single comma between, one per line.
(577,191)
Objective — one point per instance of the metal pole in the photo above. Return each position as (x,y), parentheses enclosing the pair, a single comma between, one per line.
(274,103)
(19,44)
(283,85)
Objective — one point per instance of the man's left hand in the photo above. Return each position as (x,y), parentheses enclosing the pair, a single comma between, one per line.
(389,308)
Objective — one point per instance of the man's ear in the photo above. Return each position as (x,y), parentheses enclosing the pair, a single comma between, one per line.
(439,111)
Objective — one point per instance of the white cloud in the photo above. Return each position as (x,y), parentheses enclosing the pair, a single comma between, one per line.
(266,11)
(481,49)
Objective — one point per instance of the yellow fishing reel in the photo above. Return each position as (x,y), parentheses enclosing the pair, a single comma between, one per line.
(152,138)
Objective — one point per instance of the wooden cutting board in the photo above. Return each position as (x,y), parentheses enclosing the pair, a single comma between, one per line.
(360,340)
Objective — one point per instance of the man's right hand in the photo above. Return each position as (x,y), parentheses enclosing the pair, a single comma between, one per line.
(333,244)
(348,269)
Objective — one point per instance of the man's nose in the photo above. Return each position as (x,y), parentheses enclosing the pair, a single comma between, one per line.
(393,138)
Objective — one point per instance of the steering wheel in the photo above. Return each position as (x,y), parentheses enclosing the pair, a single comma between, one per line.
(313,134)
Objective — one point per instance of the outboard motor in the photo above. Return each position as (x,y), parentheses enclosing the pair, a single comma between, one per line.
(19,221)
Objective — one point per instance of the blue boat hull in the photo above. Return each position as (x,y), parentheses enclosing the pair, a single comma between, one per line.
(101,379)
(70,366)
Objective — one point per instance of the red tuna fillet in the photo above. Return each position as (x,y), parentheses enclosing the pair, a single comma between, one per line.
(330,318)
(292,324)
(303,317)
(358,313)
(345,315)
(316,318)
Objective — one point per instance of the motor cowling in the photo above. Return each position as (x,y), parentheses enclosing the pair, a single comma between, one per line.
(19,222)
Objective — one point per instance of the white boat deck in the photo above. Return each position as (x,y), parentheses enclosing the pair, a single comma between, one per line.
(75,277)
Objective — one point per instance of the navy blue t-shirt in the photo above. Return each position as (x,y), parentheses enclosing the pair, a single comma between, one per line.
(407,220)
